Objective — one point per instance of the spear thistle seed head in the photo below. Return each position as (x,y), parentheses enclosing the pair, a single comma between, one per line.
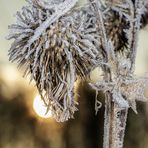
(55,49)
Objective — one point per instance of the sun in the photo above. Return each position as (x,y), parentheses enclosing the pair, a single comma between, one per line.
(40,108)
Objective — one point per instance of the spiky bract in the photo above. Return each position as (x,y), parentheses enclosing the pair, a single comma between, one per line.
(57,54)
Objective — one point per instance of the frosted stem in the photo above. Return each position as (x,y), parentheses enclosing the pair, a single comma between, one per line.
(107,122)
(114,124)
(115,117)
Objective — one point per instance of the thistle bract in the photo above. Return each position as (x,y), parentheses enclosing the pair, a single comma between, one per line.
(56,44)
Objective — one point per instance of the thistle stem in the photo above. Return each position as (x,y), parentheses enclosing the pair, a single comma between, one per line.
(114,124)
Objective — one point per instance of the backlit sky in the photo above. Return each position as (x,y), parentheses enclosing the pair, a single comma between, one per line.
(7,10)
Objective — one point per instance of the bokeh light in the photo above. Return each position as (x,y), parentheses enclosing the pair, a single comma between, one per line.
(40,108)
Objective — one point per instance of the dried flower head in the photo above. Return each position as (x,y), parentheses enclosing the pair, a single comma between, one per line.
(56,44)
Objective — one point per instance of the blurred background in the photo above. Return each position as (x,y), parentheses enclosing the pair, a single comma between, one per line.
(22,115)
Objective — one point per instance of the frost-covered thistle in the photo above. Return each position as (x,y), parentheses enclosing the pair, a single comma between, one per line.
(57,42)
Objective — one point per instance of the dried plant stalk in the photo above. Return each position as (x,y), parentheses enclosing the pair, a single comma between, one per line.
(119,85)
(115,124)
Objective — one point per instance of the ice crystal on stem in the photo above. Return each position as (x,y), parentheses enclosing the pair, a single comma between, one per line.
(125,90)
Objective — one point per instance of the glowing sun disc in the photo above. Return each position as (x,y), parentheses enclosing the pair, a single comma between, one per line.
(40,108)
